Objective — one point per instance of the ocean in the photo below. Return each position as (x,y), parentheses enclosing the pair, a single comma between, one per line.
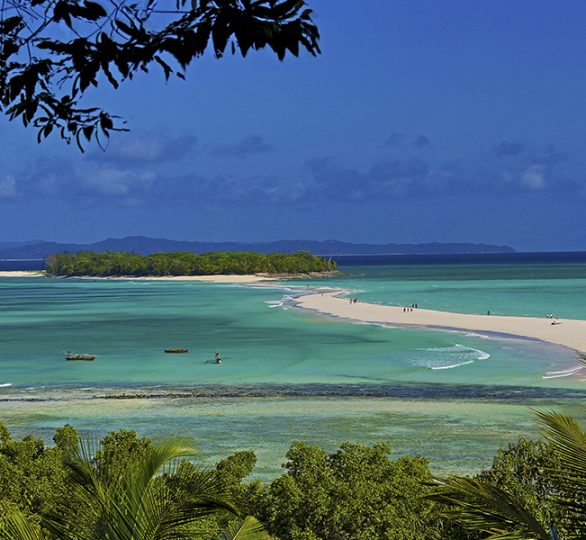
(290,375)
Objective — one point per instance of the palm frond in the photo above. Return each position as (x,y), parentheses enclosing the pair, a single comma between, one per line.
(248,528)
(135,503)
(16,526)
(478,505)
(568,442)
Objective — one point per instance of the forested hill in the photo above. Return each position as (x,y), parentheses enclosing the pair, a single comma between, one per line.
(110,263)
(147,246)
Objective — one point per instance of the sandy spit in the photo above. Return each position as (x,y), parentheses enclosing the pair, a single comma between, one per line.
(566,332)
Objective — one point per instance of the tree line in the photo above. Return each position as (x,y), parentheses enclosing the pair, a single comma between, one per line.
(128,488)
(111,263)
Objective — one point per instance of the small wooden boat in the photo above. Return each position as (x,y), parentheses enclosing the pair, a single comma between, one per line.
(82,357)
(176,351)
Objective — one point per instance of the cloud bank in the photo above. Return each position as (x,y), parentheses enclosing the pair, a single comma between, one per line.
(248,146)
(127,175)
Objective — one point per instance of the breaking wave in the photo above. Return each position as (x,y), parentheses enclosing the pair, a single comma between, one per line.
(437,358)
(563,373)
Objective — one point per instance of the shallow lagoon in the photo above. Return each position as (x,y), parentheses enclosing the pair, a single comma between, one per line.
(287,375)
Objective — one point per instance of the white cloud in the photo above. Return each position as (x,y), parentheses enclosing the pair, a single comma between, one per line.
(7,186)
(115,182)
(146,148)
(534,177)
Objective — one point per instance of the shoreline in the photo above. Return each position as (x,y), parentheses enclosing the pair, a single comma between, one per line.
(245,278)
(21,273)
(569,333)
(220,278)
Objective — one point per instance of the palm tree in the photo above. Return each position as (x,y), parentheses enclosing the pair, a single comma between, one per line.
(480,505)
(134,503)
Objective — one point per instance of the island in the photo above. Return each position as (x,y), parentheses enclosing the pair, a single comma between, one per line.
(122,264)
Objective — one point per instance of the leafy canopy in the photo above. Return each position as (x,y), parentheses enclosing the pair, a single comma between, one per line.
(535,491)
(53,51)
(355,493)
(112,263)
(125,488)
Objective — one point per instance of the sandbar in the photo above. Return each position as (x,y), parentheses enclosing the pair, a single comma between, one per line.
(566,332)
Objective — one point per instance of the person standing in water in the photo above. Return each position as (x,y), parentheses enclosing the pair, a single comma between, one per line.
(217,358)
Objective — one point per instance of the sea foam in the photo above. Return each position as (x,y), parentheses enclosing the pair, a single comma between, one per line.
(437,358)
(563,373)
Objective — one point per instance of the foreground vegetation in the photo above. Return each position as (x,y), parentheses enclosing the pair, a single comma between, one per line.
(130,488)
(111,263)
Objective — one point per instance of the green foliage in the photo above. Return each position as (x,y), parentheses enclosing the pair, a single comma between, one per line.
(127,488)
(227,477)
(567,441)
(134,502)
(534,490)
(245,529)
(53,51)
(355,493)
(67,440)
(119,450)
(522,470)
(16,525)
(231,472)
(32,476)
(482,506)
(86,263)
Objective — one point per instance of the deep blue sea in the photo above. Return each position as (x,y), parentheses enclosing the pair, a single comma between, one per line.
(29,264)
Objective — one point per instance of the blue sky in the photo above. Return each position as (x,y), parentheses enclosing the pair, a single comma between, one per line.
(422,121)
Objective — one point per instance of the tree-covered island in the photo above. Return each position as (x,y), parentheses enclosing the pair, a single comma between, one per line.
(111,263)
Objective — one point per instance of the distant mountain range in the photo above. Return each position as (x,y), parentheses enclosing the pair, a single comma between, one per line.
(145,246)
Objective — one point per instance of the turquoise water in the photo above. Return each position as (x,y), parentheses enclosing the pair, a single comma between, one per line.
(128,324)
(456,436)
(288,375)
(505,289)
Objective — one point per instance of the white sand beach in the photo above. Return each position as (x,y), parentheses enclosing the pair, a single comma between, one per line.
(567,332)
(21,273)
(251,278)
(248,278)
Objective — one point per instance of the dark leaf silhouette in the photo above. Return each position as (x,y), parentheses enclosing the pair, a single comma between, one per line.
(44,76)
